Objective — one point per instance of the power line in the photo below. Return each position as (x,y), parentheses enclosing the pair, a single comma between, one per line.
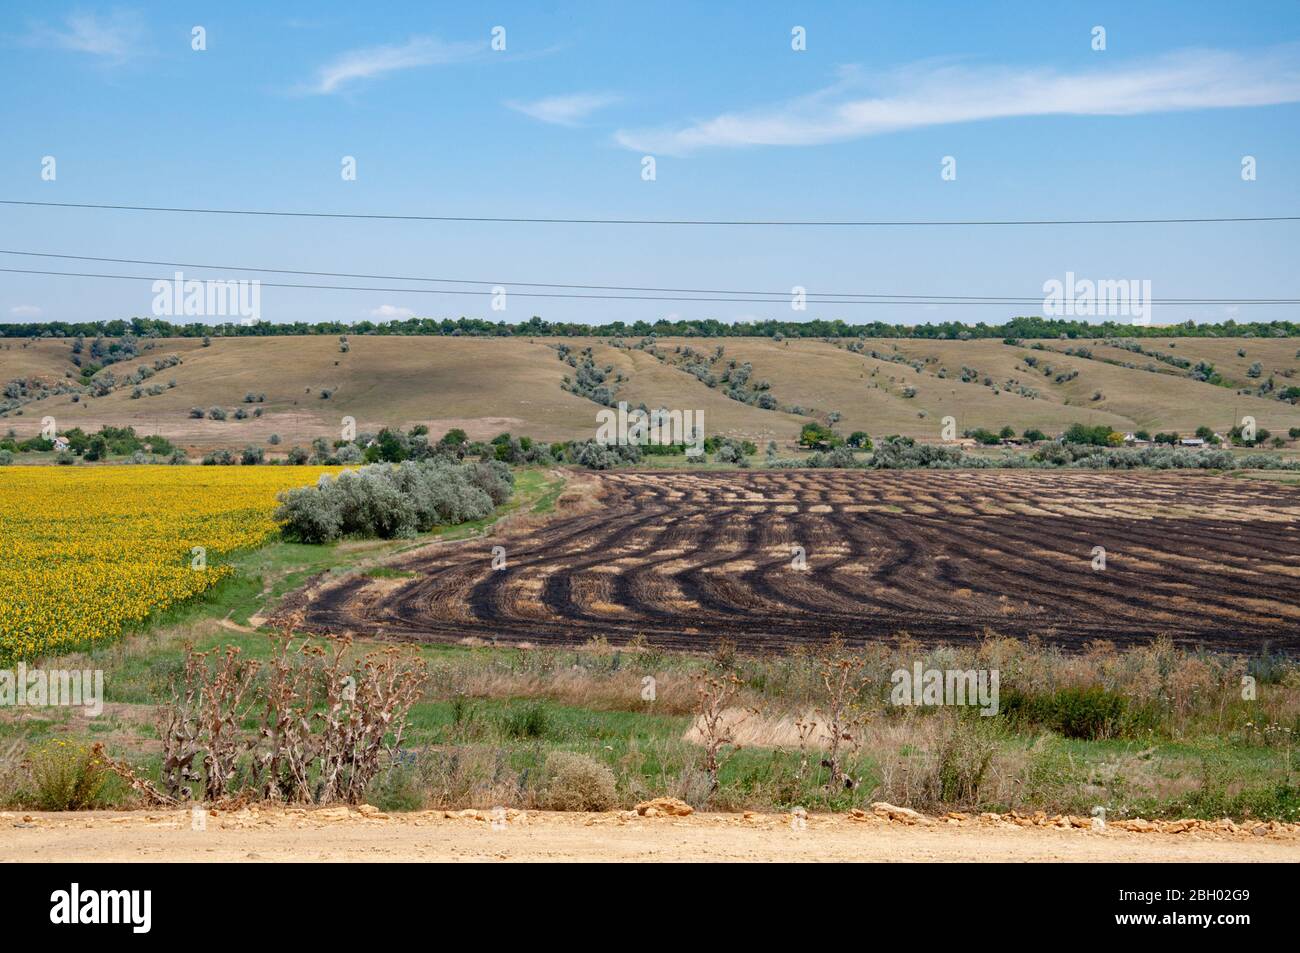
(793,223)
(780,295)
(784,299)
(494,283)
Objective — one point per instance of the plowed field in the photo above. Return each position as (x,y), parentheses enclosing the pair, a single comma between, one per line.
(687,558)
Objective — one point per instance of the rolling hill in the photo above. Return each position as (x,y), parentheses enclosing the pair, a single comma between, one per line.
(516,384)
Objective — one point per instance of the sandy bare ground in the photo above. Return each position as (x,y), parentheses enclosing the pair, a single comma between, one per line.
(338,834)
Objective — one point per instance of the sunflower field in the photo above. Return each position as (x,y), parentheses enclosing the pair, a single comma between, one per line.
(86,551)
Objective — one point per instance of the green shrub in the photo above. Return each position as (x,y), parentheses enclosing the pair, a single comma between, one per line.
(963,761)
(65,776)
(1089,713)
(397,789)
(393,502)
(529,721)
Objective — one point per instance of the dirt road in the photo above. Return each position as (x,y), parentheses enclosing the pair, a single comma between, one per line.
(337,834)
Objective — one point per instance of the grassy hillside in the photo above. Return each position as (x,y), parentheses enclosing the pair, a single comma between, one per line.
(490,385)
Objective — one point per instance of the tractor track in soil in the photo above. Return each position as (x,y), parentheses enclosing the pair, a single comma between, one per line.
(684,559)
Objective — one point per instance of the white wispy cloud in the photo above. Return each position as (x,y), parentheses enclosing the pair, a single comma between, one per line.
(568,110)
(25,311)
(936,93)
(374,61)
(113,38)
(389,312)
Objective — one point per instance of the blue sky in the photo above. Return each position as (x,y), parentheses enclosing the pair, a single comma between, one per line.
(741,126)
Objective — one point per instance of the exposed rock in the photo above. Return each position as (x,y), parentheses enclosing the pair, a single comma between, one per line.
(904,815)
(664,807)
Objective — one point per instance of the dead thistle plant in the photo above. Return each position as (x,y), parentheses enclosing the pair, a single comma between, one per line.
(716,721)
(841,677)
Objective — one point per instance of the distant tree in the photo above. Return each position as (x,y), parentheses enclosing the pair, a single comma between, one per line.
(815,436)
(1098,436)
(96,448)
(389,447)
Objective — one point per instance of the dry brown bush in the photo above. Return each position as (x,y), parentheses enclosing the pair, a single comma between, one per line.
(843,678)
(716,721)
(328,720)
(575,782)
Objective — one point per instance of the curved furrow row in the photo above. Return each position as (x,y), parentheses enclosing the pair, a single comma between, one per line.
(685,558)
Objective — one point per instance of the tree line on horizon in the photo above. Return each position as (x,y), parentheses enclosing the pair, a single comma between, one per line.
(1014,329)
